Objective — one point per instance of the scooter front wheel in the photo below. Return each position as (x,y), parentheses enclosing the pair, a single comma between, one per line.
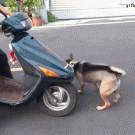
(58,100)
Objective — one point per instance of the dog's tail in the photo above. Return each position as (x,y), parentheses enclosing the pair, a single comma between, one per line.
(118,70)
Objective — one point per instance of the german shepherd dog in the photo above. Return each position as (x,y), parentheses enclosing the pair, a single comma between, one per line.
(106,78)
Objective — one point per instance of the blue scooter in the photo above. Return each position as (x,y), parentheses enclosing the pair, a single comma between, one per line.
(47,77)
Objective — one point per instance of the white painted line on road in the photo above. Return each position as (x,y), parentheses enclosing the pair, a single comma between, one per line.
(120,18)
(107,23)
(16,69)
(107,18)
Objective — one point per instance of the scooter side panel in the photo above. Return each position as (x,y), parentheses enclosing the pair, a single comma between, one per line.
(37,55)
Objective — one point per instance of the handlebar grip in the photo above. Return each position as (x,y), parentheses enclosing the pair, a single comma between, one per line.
(3,13)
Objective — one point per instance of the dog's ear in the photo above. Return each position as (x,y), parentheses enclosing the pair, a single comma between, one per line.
(71,56)
(68,61)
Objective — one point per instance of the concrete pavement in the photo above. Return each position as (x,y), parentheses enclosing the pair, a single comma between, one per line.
(89,21)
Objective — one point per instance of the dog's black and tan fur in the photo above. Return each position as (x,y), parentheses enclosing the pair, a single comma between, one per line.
(106,78)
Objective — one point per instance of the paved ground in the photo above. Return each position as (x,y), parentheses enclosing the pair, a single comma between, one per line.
(89,21)
(111,44)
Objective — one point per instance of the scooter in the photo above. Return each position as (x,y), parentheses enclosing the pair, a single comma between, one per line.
(47,77)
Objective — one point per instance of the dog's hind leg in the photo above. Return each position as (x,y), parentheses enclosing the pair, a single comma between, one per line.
(117,96)
(104,92)
(106,100)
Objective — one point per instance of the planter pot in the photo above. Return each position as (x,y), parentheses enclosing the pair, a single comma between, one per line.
(37,21)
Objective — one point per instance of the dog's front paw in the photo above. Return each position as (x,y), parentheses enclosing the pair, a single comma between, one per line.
(79,91)
(115,101)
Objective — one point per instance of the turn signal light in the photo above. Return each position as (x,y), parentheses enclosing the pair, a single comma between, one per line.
(48,72)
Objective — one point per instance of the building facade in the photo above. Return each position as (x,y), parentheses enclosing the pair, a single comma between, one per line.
(74,9)
(71,9)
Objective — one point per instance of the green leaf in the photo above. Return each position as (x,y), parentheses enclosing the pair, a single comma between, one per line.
(51,17)
(12,5)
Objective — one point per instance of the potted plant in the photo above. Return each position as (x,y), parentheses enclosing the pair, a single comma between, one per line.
(26,6)
(36,17)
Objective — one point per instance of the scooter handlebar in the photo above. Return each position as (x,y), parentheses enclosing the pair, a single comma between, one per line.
(3,13)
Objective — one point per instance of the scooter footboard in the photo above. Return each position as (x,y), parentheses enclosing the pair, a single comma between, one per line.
(30,82)
(10,90)
(13,92)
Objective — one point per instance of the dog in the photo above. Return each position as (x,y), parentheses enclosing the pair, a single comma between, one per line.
(106,78)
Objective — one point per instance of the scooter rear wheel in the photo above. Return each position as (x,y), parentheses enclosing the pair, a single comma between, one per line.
(58,100)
